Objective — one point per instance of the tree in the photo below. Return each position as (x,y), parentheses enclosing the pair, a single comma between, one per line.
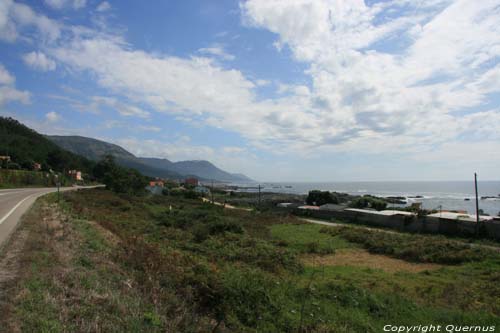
(119,179)
(319,198)
(368,202)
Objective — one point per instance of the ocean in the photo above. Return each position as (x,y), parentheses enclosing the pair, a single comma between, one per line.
(447,195)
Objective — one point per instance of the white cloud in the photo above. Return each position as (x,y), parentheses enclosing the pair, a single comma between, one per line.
(60,4)
(103,6)
(262,83)
(39,61)
(149,128)
(56,4)
(97,103)
(216,50)
(5,77)
(359,92)
(380,82)
(52,116)
(364,93)
(15,17)
(132,111)
(8,93)
(77,4)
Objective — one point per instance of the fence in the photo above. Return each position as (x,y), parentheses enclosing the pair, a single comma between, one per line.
(423,224)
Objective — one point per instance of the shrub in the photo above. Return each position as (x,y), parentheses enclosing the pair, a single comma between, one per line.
(319,198)
(118,179)
(368,202)
(418,248)
(316,248)
(252,298)
(242,248)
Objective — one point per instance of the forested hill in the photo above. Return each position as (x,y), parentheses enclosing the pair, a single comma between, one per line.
(154,167)
(25,147)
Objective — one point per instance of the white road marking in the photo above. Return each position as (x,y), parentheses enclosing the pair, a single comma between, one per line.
(5,193)
(15,189)
(15,207)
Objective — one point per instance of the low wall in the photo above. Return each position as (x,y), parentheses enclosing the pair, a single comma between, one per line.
(424,224)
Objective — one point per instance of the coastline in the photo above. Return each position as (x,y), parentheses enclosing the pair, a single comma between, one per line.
(446,195)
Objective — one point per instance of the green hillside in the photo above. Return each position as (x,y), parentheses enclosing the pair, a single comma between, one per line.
(154,167)
(25,147)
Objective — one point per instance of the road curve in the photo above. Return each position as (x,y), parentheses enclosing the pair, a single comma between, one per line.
(15,202)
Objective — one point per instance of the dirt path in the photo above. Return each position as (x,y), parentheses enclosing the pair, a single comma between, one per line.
(225,205)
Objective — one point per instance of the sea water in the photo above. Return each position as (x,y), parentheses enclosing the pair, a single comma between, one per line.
(445,195)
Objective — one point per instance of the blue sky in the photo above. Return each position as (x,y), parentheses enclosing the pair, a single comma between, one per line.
(279,90)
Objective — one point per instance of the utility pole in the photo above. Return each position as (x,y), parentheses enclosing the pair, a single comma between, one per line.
(477,204)
(212,192)
(58,186)
(259,195)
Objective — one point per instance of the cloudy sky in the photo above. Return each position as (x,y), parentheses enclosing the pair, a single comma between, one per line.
(310,90)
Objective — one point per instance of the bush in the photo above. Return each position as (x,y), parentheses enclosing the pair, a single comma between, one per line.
(321,197)
(190,194)
(242,248)
(316,248)
(368,202)
(417,248)
(118,179)
(251,298)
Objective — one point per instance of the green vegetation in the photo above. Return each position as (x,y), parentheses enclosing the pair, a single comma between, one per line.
(412,247)
(368,201)
(13,178)
(120,262)
(268,201)
(25,147)
(306,238)
(321,197)
(118,179)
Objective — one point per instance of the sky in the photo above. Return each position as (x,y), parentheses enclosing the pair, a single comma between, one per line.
(280,90)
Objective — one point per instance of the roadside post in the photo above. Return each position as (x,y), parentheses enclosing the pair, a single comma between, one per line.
(58,184)
(477,205)
(212,193)
(259,195)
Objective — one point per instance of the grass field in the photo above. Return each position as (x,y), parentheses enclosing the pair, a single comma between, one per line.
(105,262)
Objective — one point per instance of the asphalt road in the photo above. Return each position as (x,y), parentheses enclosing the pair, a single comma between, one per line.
(15,202)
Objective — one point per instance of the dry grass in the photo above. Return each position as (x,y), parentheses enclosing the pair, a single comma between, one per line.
(41,222)
(362,258)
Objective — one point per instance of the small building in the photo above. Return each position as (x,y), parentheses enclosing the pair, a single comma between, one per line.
(156,190)
(5,158)
(332,207)
(284,204)
(382,212)
(75,174)
(191,181)
(308,207)
(157,182)
(202,190)
(460,216)
(37,166)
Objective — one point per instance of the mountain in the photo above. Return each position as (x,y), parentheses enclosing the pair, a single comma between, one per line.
(154,167)
(90,148)
(207,170)
(95,150)
(25,147)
